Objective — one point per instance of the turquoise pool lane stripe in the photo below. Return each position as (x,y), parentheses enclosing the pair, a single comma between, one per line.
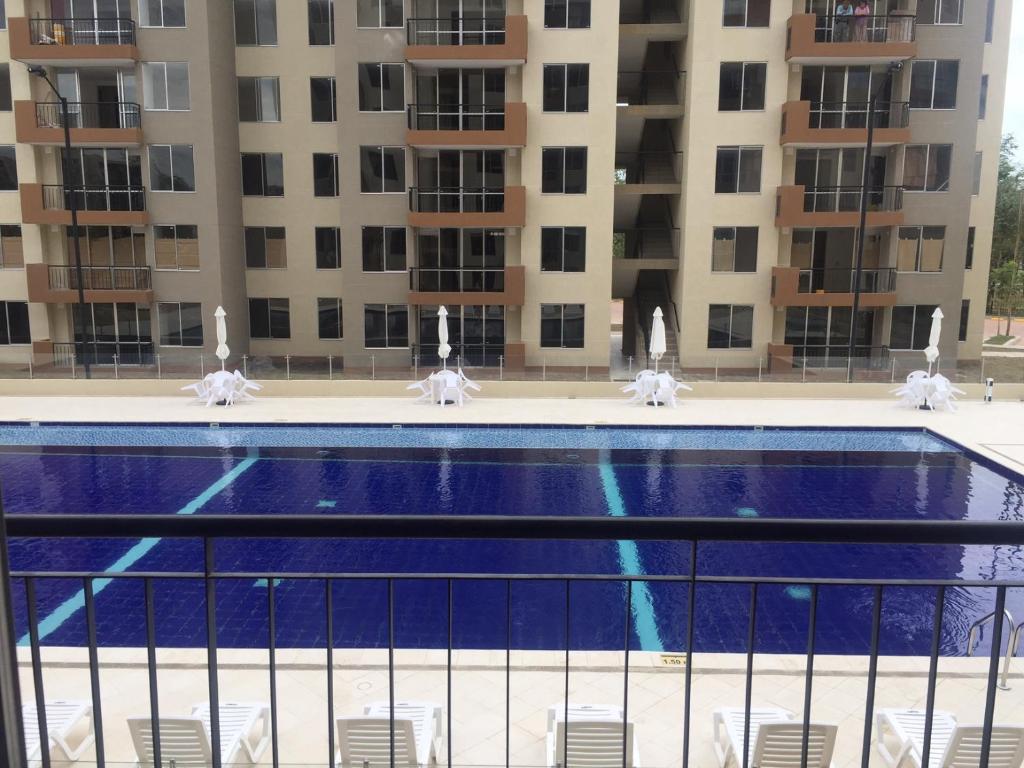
(644,621)
(76,602)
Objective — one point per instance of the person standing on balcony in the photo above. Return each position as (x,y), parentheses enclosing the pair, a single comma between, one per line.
(844,10)
(860,29)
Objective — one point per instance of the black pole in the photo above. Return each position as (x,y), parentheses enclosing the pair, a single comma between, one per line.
(12,736)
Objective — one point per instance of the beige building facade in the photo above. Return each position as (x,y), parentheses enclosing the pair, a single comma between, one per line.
(333,172)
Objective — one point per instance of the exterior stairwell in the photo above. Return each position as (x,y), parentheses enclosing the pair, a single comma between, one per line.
(652,292)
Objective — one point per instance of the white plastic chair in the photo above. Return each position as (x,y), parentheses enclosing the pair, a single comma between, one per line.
(186,740)
(953,745)
(642,386)
(593,738)
(448,385)
(201,388)
(467,383)
(776,739)
(942,393)
(915,391)
(424,389)
(367,739)
(62,717)
(666,388)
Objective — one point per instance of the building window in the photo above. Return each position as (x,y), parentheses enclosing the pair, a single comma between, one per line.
(165,85)
(965,317)
(328,317)
(14,323)
(323,99)
(561,326)
(940,12)
(566,87)
(265,248)
(564,170)
(259,100)
(746,13)
(162,13)
(738,169)
(176,246)
(969,258)
(979,160)
(384,249)
(269,319)
(730,326)
(172,168)
(328,247)
(911,326)
(563,249)
(181,323)
(3,15)
(256,22)
(983,98)
(321,22)
(734,249)
(741,86)
(386,325)
(990,20)
(381,169)
(262,174)
(566,14)
(12,254)
(102,246)
(325,175)
(8,169)
(920,249)
(933,84)
(825,332)
(926,167)
(381,87)
(377,14)
(5,88)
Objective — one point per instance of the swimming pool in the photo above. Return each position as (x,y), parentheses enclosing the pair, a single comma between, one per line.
(309,469)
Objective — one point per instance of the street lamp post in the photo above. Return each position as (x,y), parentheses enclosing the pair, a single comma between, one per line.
(893,68)
(72,202)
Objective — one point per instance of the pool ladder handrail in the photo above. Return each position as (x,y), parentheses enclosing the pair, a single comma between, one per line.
(1013,642)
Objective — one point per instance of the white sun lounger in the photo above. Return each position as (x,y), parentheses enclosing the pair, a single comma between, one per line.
(367,739)
(953,745)
(186,740)
(62,716)
(594,737)
(776,739)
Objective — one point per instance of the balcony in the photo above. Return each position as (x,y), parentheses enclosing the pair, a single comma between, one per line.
(652,20)
(466,126)
(843,124)
(59,284)
(648,173)
(107,124)
(826,39)
(795,287)
(467,41)
(799,206)
(505,286)
(467,207)
(103,206)
(79,42)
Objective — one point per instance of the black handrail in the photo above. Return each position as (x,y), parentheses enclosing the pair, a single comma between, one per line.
(464,280)
(853,114)
(456,117)
(457,199)
(460,30)
(112,278)
(646,243)
(107,114)
(82,31)
(872,28)
(842,279)
(95,198)
(847,199)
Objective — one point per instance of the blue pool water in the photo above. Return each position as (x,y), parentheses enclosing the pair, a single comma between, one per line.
(745,473)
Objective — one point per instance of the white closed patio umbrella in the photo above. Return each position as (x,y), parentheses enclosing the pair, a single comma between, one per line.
(443,349)
(658,343)
(222,336)
(931,352)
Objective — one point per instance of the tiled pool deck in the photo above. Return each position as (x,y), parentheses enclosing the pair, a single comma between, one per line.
(656,687)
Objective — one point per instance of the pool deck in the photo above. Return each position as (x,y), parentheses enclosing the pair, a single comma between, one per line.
(656,686)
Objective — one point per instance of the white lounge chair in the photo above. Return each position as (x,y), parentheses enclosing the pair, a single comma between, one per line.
(62,718)
(186,740)
(953,745)
(594,737)
(776,739)
(367,739)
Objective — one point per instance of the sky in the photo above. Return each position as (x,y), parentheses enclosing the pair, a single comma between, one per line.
(1013,118)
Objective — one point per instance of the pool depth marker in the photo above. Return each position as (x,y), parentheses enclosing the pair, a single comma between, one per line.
(76,602)
(642,609)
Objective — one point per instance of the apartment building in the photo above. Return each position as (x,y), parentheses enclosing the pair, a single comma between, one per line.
(332,172)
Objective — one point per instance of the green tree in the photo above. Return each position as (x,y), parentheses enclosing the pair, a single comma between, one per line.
(1006,283)
(1006,280)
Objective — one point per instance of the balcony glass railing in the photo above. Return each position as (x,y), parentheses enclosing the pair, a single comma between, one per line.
(101,278)
(82,31)
(865,358)
(843,280)
(854,114)
(847,199)
(457,200)
(456,117)
(112,353)
(90,198)
(830,28)
(473,354)
(467,279)
(464,30)
(111,114)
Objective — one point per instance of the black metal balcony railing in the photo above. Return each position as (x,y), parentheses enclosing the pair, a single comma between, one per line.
(480,354)
(847,199)
(456,117)
(464,30)
(648,167)
(82,31)
(830,28)
(68,354)
(854,114)
(646,243)
(651,87)
(693,580)
(101,278)
(466,280)
(457,199)
(865,358)
(111,114)
(843,280)
(89,198)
